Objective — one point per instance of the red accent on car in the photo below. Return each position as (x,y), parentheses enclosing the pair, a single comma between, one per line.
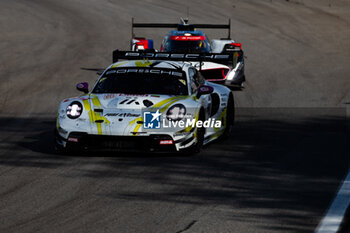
(237,45)
(166,142)
(72,139)
(216,74)
(142,42)
(224,73)
(184,38)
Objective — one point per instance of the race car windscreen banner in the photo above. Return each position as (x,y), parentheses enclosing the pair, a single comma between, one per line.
(222,58)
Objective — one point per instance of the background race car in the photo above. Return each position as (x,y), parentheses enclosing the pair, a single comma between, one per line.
(186,38)
(147,105)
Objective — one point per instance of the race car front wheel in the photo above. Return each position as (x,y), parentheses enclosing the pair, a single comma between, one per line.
(230,117)
(196,148)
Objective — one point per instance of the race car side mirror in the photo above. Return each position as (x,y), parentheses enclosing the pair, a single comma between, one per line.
(84,87)
(204,90)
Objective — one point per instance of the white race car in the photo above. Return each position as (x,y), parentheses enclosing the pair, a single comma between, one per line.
(146,105)
(188,38)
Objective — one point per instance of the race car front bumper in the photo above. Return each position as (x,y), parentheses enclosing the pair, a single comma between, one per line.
(84,141)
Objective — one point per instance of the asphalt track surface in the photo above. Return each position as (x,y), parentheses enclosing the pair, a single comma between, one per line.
(277,173)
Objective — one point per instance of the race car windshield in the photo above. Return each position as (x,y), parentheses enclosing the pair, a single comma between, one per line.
(196,46)
(142,81)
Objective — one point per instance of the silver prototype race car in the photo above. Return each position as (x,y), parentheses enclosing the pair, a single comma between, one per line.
(160,104)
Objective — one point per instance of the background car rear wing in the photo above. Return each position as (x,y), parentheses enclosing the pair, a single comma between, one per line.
(222,58)
(184,26)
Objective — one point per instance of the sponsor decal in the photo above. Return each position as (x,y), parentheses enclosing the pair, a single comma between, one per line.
(112,96)
(166,142)
(124,114)
(134,95)
(187,37)
(70,139)
(145,71)
(179,56)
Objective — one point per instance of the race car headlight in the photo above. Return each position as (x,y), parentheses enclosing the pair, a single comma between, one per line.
(74,110)
(176,112)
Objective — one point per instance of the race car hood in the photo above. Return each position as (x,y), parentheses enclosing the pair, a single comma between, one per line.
(120,114)
(123,102)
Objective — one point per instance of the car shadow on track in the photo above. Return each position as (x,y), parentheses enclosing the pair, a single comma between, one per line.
(285,164)
(37,135)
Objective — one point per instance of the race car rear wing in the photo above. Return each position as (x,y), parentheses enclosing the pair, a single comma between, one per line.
(222,58)
(181,27)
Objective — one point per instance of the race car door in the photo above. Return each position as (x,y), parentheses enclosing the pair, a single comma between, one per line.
(196,81)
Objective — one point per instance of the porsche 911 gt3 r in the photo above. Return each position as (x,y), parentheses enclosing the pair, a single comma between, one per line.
(146,105)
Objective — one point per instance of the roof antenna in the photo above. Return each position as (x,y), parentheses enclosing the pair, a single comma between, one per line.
(188,15)
(184,21)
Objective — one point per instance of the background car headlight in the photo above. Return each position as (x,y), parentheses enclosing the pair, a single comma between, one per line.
(176,112)
(74,110)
